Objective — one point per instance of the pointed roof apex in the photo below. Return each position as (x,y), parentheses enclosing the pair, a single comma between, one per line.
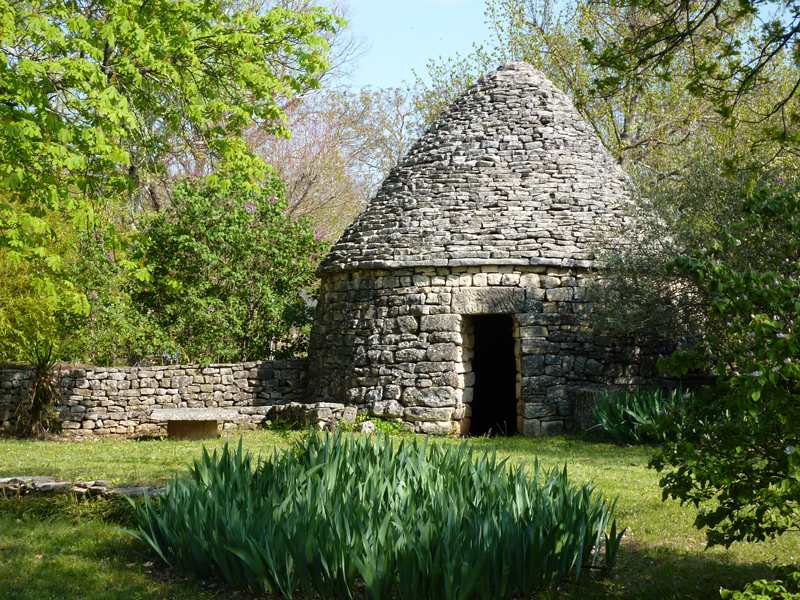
(517,69)
(509,174)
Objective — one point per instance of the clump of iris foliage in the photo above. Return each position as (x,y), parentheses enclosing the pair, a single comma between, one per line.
(637,417)
(417,520)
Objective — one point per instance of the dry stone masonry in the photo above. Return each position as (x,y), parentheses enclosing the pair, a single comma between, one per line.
(479,245)
(124,400)
(50,486)
(455,303)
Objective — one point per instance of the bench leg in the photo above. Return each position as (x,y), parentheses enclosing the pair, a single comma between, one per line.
(192,430)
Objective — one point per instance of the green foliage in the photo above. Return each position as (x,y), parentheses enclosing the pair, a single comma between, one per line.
(114,330)
(422,520)
(387,427)
(99,97)
(35,415)
(755,52)
(226,268)
(738,441)
(769,590)
(28,316)
(637,417)
(69,508)
(672,214)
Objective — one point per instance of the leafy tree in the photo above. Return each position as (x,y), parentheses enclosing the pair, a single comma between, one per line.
(229,272)
(98,94)
(740,441)
(646,120)
(343,144)
(755,48)
(27,315)
(114,331)
(675,214)
(447,79)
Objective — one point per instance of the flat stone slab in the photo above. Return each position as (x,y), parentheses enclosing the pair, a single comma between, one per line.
(195,414)
(26,480)
(50,486)
(488,301)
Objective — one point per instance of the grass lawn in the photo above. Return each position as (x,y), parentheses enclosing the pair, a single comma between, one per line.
(662,555)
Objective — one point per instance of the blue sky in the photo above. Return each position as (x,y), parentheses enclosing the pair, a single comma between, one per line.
(405,34)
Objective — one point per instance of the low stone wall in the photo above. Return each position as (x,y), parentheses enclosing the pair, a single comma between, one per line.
(119,400)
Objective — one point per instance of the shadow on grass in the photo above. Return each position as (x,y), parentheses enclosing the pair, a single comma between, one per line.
(92,561)
(58,560)
(661,573)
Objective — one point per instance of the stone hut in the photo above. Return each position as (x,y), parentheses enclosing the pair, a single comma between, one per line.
(455,301)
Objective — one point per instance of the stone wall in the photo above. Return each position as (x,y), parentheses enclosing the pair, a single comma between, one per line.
(120,400)
(396,342)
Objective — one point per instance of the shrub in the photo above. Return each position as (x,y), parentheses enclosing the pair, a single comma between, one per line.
(637,417)
(35,415)
(229,272)
(786,588)
(739,440)
(419,520)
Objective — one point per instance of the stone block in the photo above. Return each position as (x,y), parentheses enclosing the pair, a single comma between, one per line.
(550,282)
(374,395)
(407,324)
(561,294)
(436,428)
(559,393)
(355,394)
(391,392)
(487,300)
(532,365)
(445,336)
(566,408)
(539,346)
(531,428)
(194,414)
(593,367)
(529,280)
(442,322)
(443,352)
(537,410)
(409,355)
(388,409)
(426,413)
(433,396)
(533,331)
(552,427)
(349,414)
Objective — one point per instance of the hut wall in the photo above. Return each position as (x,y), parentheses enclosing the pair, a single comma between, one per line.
(396,342)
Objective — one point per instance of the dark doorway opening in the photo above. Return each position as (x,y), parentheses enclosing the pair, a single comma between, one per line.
(494,396)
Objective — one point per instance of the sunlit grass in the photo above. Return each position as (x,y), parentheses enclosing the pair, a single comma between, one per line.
(662,555)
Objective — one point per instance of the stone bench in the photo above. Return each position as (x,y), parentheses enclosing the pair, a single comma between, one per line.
(194,423)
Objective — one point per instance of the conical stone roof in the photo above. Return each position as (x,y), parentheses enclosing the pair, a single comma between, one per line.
(509,174)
